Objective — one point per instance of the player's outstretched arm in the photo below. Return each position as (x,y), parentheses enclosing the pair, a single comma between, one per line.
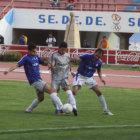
(100,76)
(46,63)
(76,57)
(11,69)
(73,73)
(50,67)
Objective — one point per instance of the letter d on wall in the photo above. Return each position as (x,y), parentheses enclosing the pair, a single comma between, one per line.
(89,20)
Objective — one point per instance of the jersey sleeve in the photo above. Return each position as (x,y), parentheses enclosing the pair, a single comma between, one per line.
(99,66)
(54,39)
(83,56)
(22,61)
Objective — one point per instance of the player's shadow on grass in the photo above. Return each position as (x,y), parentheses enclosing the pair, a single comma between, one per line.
(34,113)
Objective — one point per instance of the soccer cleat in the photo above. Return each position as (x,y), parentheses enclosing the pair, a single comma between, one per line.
(28,111)
(61,111)
(75,112)
(107,112)
(57,112)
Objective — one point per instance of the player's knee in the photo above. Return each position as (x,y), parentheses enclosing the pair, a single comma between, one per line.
(97,90)
(98,93)
(41,99)
(75,89)
(74,92)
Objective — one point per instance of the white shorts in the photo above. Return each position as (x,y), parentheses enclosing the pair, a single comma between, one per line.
(39,86)
(79,80)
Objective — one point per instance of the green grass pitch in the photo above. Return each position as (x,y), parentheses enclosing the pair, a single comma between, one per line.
(90,124)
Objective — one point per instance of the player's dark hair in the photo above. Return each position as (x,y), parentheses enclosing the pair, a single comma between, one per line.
(63,45)
(99,50)
(31,47)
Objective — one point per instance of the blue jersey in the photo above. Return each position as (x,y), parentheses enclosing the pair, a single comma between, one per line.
(21,41)
(88,66)
(31,67)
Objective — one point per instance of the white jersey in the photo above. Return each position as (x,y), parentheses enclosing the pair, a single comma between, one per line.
(50,39)
(61,62)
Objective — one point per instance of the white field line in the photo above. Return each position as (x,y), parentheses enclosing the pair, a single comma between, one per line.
(68,128)
(127,76)
(48,72)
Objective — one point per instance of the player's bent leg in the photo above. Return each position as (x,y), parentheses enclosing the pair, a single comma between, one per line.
(75,89)
(35,103)
(102,100)
(55,99)
(97,90)
(100,96)
(48,89)
(55,85)
(71,100)
(40,97)
(32,106)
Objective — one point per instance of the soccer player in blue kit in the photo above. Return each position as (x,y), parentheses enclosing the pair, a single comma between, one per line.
(88,66)
(31,63)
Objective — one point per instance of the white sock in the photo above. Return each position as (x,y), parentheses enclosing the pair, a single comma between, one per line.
(56,100)
(102,101)
(55,106)
(33,105)
(71,99)
(68,101)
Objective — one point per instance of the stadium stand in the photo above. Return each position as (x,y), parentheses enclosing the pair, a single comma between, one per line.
(5,6)
(85,5)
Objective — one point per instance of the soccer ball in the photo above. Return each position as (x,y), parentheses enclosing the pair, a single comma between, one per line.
(67,108)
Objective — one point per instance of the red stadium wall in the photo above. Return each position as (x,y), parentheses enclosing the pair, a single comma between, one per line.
(110,56)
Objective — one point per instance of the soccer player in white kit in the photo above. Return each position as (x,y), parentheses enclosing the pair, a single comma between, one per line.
(88,66)
(60,70)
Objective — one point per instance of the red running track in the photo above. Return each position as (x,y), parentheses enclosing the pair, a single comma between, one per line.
(113,78)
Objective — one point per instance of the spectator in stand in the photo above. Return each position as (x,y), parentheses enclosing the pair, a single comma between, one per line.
(86,44)
(51,41)
(71,1)
(25,39)
(103,43)
(71,4)
(22,40)
(1,39)
(55,3)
